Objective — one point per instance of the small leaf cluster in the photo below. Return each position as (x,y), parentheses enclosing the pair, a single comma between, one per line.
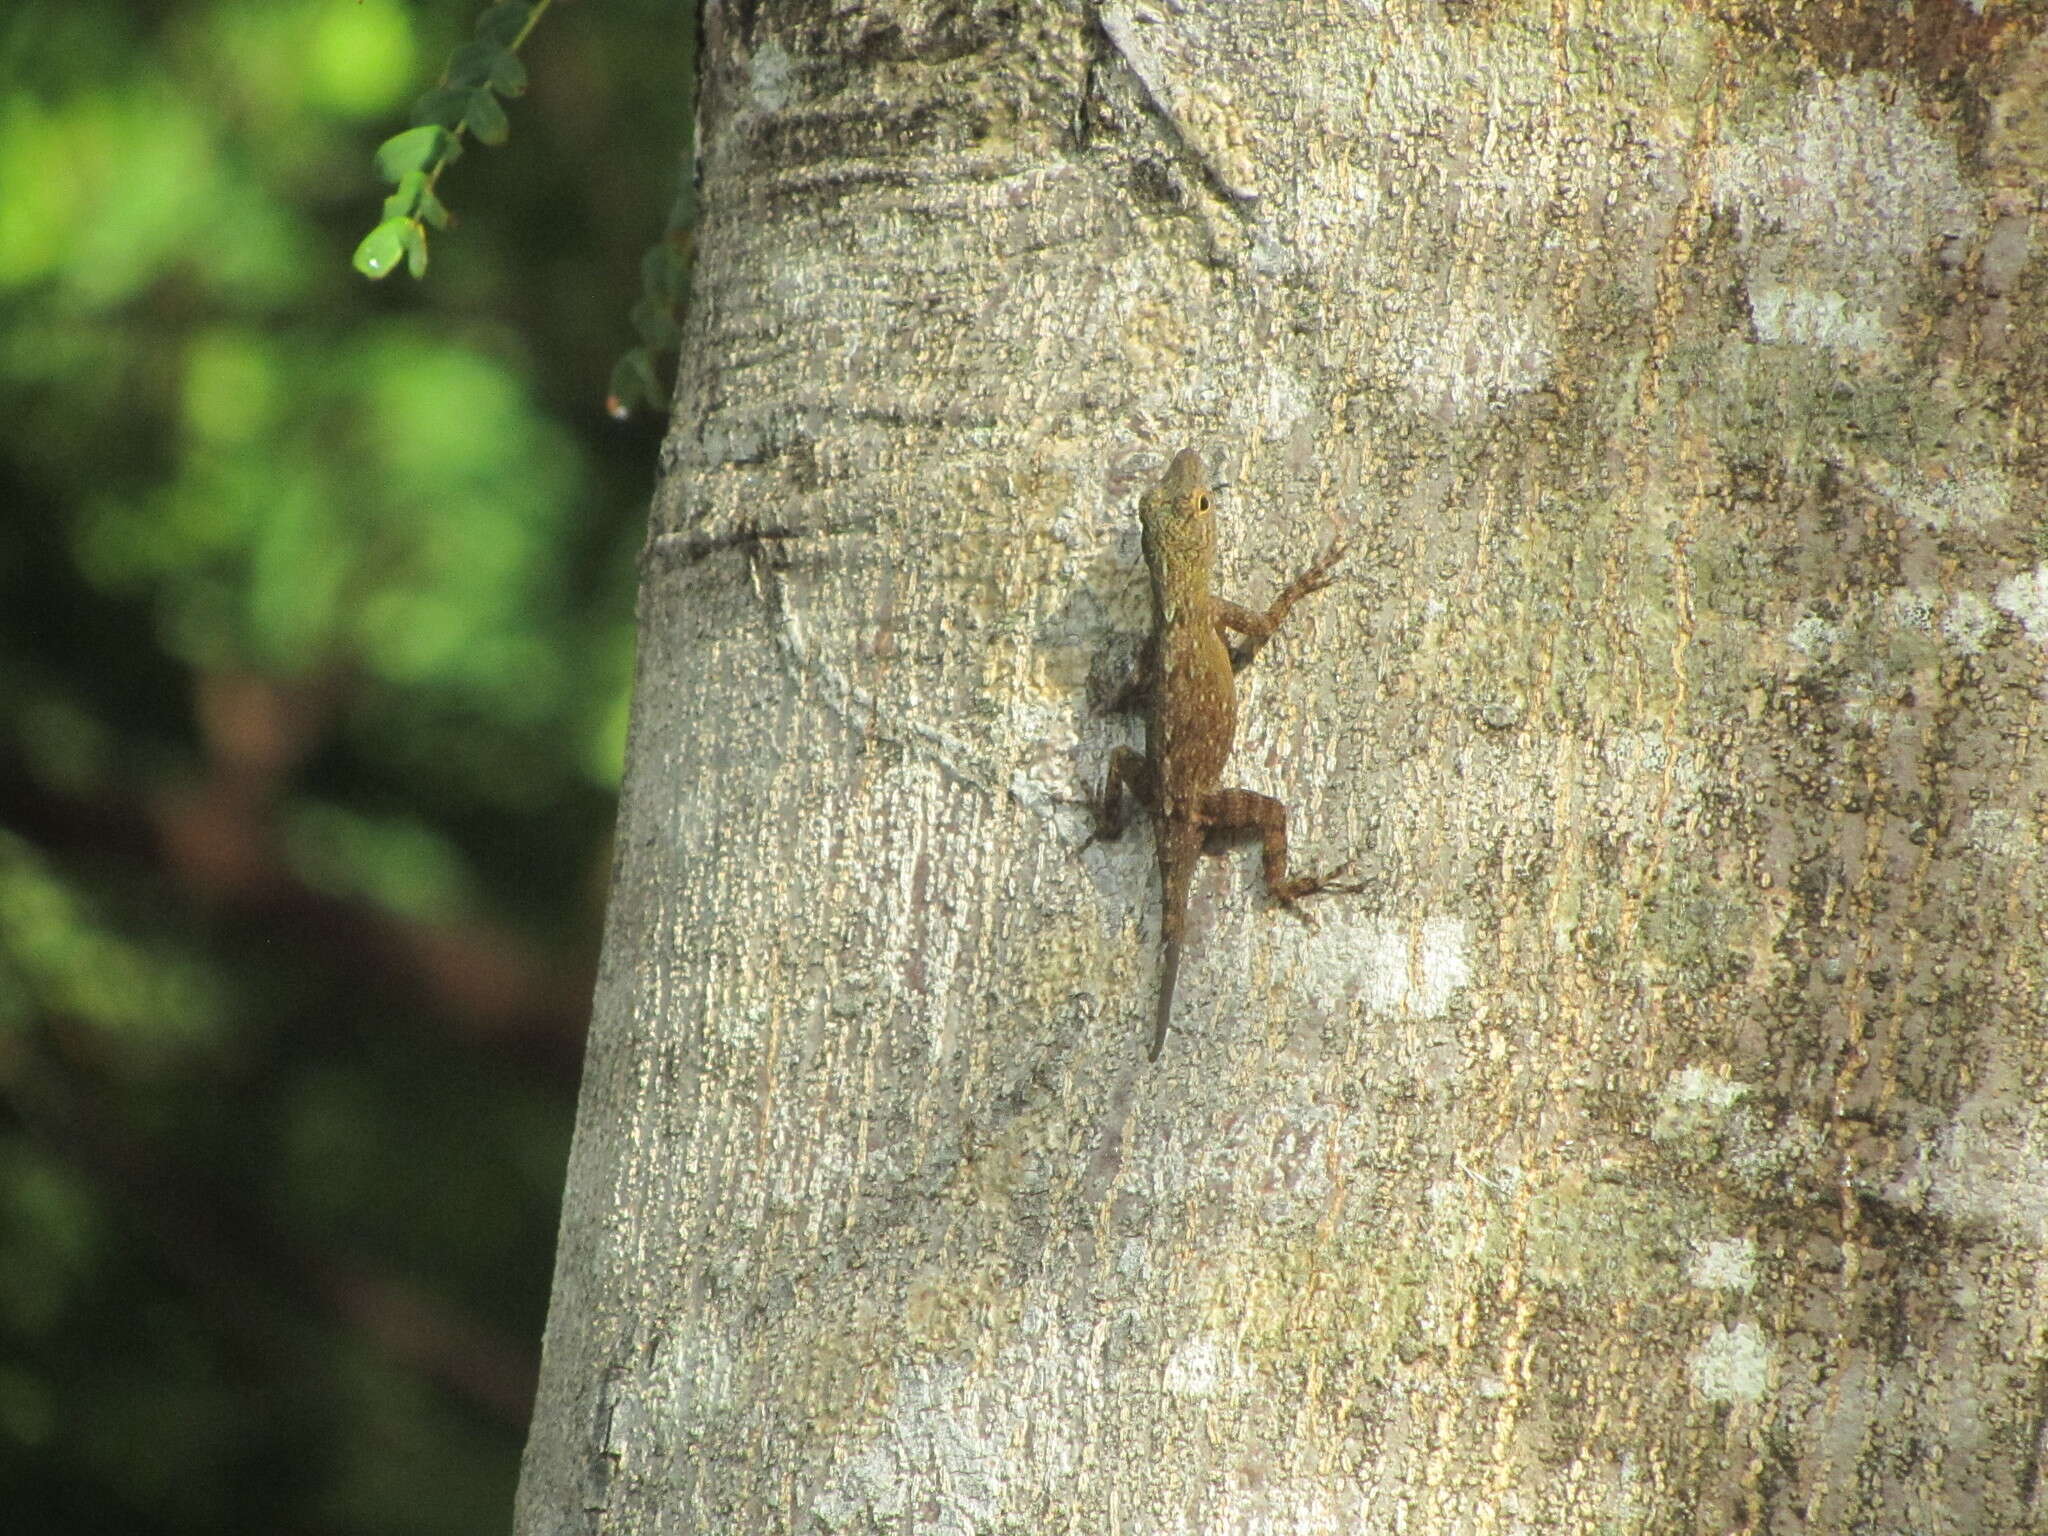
(465,101)
(664,288)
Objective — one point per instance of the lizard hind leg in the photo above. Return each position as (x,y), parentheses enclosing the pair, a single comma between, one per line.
(1240,812)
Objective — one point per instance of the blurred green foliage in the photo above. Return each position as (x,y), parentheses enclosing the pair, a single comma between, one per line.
(315,635)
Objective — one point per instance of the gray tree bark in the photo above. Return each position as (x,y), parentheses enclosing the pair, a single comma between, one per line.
(1659,1145)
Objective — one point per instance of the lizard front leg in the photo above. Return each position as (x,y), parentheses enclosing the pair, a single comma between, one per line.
(1239,812)
(1257,627)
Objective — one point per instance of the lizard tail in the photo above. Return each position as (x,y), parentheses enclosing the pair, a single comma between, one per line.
(1168,975)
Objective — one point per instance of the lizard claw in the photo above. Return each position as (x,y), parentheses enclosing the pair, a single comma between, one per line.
(1323,572)
(1330,883)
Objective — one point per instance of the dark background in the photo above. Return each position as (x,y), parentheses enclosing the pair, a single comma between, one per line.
(315,637)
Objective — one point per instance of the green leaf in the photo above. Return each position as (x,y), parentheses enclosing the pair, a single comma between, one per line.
(508,75)
(404,203)
(434,211)
(416,149)
(441,105)
(656,325)
(486,118)
(415,237)
(633,384)
(382,249)
(473,63)
(654,268)
(663,272)
(502,24)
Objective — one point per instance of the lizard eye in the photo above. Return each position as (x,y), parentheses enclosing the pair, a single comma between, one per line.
(1202,502)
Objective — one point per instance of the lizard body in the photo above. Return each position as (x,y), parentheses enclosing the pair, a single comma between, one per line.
(1189,686)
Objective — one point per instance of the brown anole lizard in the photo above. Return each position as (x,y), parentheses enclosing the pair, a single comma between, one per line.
(1189,691)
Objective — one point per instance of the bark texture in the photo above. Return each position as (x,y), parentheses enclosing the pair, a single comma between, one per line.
(1661,1144)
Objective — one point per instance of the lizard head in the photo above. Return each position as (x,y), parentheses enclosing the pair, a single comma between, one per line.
(1178,518)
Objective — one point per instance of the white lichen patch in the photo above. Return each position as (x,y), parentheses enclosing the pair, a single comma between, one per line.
(1723,1264)
(1395,969)
(1812,317)
(1472,358)
(1198,1368)
(1968,623)
(1913,607)
(1837,203)
(1971,498)
(1962,622)
(1862,641)
(1999,831)
(1733,1366)
(1695,1099)
(1285,401)
(770,77)
(1813,636)
(945,1459)
(2025,597)
(1990,1163)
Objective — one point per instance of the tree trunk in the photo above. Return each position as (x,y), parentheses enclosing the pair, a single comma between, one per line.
(1659,1143)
